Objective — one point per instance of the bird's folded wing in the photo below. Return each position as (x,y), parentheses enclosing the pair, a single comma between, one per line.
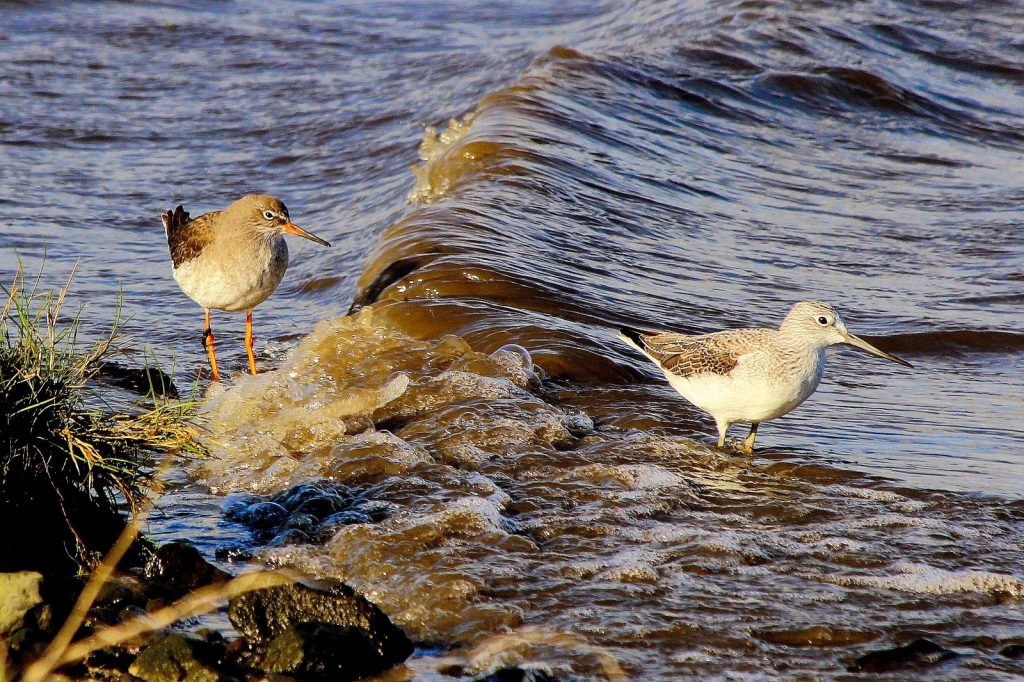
(186,238)
(688,356)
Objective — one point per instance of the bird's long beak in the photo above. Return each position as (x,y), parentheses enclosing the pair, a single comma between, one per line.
(292,228)
(861,343)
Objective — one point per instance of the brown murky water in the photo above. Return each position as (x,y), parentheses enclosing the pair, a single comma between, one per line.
(473,448)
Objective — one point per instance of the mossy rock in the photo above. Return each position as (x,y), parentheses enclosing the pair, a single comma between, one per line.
(177,658)
(324,651)
(262,615)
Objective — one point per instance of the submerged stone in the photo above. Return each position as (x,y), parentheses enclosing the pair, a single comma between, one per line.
(816,635)
(305,513)
(517,674)
(920,653)
(178,568)
(1012,651)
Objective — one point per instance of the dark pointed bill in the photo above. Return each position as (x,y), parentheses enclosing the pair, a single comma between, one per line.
(292,228)
(861,343)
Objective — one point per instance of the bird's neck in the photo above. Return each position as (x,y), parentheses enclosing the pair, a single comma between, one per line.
(799,346)
(256,237)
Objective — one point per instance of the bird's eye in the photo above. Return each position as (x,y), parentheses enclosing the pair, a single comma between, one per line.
(269,215)
(822,320)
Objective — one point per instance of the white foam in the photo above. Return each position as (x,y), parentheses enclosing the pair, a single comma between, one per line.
(924,579)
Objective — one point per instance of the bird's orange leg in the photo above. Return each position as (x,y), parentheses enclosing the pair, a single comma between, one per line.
(248,342)
(208,344)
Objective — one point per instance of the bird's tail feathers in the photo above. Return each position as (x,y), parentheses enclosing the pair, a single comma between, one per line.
(174,220)
(634,337)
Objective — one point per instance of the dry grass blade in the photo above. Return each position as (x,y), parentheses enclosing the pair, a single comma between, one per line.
(12,292)
(62,294)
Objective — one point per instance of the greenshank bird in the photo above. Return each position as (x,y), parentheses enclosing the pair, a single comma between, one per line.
(231,259)
(751,375)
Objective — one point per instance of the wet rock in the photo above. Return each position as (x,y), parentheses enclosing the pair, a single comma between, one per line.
(176,658)
(118,597)
(118,591)
(920,653)
(19,594)
(233,551)
(325,651)
(262,615)
(304,513)
(178,568)
(517,674)
(816,636)
(141,380)
(1012,651)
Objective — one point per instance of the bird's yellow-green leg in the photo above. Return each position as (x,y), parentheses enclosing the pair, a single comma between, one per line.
(748,444)
(208,344)
(248,342)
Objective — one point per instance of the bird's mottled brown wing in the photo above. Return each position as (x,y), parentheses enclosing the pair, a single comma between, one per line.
(186,237)
(688,355)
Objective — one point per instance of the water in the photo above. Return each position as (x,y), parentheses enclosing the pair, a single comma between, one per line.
(691,166)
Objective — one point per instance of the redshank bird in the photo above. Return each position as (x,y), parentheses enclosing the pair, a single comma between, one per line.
(751,375)
(232,259)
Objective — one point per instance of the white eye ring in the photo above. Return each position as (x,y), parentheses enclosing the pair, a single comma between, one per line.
(822,320)
(269,215)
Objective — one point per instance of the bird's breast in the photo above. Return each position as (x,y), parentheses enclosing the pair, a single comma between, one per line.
(757,390)
(235,277)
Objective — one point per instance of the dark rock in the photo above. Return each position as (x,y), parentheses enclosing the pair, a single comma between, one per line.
(117,596)
(261,515)
(141,380)
(19,594)
(305,523)
(178,568)
(130,612)
(176,658)
(27,644)
(1012,651)
(262,615)
(119,591)
(304,513)
(233,551)
(324,505)
(920,653)
(517,674)
(291,536)
(325,651)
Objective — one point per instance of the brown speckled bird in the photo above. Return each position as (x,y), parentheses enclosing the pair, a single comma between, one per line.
(232,259)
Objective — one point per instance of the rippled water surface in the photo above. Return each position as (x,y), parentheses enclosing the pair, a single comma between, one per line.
(473,448)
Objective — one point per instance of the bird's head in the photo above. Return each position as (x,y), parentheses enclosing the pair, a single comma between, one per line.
(821,325)
(267,216)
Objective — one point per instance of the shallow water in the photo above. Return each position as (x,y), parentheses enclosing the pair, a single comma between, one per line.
(690,166)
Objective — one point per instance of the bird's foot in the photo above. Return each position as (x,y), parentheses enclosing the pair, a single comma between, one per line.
(735,446)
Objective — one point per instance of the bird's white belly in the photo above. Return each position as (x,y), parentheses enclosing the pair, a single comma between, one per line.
(745,398)
(232,283)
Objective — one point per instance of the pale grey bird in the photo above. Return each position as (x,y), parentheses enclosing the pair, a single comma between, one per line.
(751,375)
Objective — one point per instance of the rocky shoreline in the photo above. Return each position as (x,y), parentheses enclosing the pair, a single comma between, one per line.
(303,630)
